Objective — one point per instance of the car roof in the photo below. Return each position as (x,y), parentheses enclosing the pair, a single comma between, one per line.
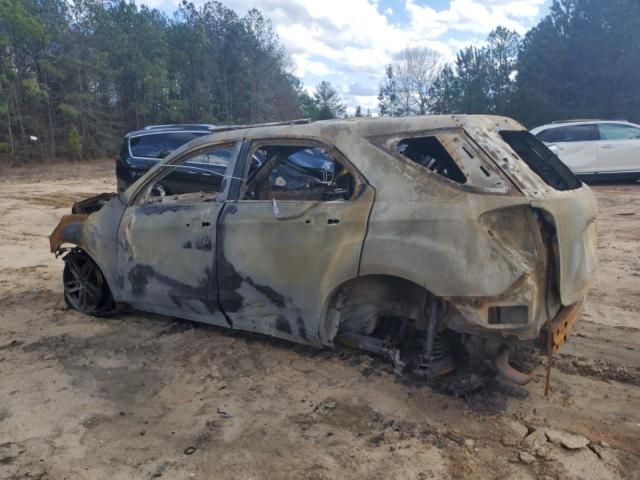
(206,127)
(353,134)
(183,127)
(567,123)
(340,130)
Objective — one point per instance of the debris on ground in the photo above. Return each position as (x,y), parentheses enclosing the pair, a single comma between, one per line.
(514,433)
(526,457)
(536,443)
(566,439)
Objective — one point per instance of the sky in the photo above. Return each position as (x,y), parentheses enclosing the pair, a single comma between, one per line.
(349,42)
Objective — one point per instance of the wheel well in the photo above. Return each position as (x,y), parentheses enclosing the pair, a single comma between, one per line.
(358,304)
(76,249)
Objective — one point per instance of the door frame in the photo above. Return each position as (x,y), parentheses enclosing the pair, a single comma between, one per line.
(134,201)
(249,145)
(230,280)
(157,170)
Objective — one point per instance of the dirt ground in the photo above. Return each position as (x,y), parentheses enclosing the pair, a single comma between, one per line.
(144,396)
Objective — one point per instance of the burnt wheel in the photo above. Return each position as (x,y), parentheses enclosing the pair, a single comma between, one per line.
(85,288)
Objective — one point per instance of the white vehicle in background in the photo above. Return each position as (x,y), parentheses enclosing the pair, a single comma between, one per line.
(595,149)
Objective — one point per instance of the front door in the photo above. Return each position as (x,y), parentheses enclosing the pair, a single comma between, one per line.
(295,235)
(619,148)
(167,242)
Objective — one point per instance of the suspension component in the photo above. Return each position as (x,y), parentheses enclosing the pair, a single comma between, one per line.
(508,372)
(434,357)
(376,346)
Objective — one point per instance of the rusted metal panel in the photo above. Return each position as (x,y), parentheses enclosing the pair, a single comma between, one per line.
(96,234)
(68,230)
(562,325)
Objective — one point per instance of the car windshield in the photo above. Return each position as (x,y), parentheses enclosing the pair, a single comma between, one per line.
(159,145)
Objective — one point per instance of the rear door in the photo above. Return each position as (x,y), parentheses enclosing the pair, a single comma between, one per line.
(294,234)
(576,146)
(619,147)
(167,243)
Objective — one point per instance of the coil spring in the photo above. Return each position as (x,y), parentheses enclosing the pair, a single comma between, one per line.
(440,353)
(440,349)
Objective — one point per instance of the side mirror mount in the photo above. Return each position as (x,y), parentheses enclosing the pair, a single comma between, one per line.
(553,148)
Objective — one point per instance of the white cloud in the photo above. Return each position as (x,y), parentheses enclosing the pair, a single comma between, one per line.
(304,66)
(473,16)
(366,102)
(357,88)
(351,41)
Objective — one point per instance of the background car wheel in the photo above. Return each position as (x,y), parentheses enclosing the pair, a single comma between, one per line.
(85,288)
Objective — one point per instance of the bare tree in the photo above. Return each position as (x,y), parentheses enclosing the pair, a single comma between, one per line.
(416,69)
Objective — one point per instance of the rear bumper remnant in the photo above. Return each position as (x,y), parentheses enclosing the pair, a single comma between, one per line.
(561,326)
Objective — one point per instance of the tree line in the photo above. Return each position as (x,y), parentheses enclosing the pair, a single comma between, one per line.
(77,74)
(581,61)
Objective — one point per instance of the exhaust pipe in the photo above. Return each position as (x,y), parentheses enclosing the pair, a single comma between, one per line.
(508,372)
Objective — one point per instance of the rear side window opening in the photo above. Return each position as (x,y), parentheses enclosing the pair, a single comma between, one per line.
(541,160)
(430,154)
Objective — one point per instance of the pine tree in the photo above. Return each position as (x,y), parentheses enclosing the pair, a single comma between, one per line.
(388,96)
(327,101)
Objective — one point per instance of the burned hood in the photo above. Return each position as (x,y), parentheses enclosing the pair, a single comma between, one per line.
(92,204)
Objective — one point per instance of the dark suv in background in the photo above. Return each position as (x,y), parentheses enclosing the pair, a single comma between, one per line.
(142,149)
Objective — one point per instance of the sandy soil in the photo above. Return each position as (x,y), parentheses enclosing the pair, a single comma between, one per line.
(143,396)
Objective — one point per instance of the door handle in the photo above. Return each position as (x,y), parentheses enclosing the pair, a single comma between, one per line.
(333,221)
(606,146)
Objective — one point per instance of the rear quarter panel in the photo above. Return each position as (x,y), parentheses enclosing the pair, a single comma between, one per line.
(426,229)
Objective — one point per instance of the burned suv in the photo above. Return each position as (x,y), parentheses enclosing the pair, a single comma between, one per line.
(403,236)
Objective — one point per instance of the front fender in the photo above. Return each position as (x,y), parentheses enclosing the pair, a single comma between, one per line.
(93,227)
(68,230)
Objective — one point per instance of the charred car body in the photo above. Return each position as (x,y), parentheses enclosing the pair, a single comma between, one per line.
(401,235)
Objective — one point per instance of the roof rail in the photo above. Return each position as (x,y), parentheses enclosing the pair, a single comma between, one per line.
(181,126)
(224,128)
(576,120)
